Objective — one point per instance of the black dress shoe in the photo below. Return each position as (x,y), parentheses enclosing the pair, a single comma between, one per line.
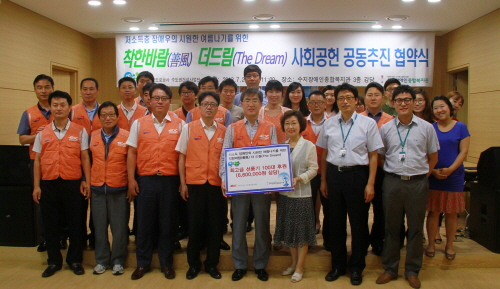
(182,235)
(139,272)
(356,278)
(377,250)
(192,273)
(169,272)
(42,247)
(77,268)
(333,275)
(177,246)
(213,272)
(238,274)
(224,246)
(249,227)
(262,274)
(51,270)
(64,244)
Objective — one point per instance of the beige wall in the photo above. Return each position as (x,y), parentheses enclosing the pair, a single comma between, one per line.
(476,46)
(31,44)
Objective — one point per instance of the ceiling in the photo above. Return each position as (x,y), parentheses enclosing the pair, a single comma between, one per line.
(354,15)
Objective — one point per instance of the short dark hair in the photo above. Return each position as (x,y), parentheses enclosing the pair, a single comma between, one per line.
(375,85)
(303,102)
(346,86)
(213,94)
(146,74)
(252,68)
(147,86)
(60,94)
(328,87)
(300,117)
(126,78)
(190,86)
(404,89)
(43,76)
(250,91)
(273,84)
(207,79)
(160,86)
(107,104)
(446,100)
(89,79)
(317,92)
(228,82)
(361,100)
(391,81)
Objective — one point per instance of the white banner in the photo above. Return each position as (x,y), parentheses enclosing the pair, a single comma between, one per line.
(311,58)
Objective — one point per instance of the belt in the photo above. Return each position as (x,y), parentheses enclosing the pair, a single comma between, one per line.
(406,178)
(348,169)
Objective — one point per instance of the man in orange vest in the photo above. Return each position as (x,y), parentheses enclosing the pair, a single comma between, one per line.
(129,109)
(109,189)
(84,113)
(200,145)
(143,78)
(61,156)
(188,92)
(250,131)
(33,121)
(374,97)
(152,155)
(315,121)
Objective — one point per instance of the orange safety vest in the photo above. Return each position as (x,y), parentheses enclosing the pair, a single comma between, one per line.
(81,117)
(36,119)
(139,102)
(113,170)
(262,136)
(180,113)
(203,155)
(309,135)
(220,116)
(61,157)
(124,122)
(385,118)
(156,153)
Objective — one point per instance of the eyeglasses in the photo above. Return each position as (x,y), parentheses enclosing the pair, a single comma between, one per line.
(419,101)
(254,75)
(205,104)
(316,102)
(157,98)
(359,105)
(391,89)
(187,92)
(110,115)
(399,101)
(348,98)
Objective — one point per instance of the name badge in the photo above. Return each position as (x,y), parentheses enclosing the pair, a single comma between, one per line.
(342,152)
(402,156)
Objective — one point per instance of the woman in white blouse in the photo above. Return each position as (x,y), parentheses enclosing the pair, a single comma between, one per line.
(295,226)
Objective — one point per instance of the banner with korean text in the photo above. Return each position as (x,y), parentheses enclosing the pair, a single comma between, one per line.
(311,58)
(258,169)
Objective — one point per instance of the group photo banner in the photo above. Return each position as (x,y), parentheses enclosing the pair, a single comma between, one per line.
(258,169)
(311,58)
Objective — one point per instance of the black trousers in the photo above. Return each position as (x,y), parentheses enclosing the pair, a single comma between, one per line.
(62,203)
(156,201)
(346,198)
(206,207)
(315,185)
(378,227)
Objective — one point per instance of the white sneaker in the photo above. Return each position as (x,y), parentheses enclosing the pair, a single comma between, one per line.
(117,270)
(99,269)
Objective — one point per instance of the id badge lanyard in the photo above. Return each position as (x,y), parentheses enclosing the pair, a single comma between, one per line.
(402,154)
(344,139)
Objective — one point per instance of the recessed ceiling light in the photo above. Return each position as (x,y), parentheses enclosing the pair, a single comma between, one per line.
(134,28)
(119,2)
(263,17)
(397,17)
(132,20)
(153,28)
(377,26)
(248,0)
(408,0)
(434,0)
(94,3)
(275,26)
(253,26)
(397,27)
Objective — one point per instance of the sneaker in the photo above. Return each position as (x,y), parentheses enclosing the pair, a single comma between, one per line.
(99,269)
(117,270)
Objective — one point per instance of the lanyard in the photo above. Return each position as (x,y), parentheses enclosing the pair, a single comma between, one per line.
(342,130)
(403,143)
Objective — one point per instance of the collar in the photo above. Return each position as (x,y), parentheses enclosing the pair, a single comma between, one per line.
(378,113)
(132,109)
(353,117)
(414,121)
(155,120)
(94,109)
(115,131)
(309,118)
(56,129)
(41,108)
(248,122)
(214,124)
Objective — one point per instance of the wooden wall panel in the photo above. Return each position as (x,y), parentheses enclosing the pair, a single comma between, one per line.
(104,69)
(30,43)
